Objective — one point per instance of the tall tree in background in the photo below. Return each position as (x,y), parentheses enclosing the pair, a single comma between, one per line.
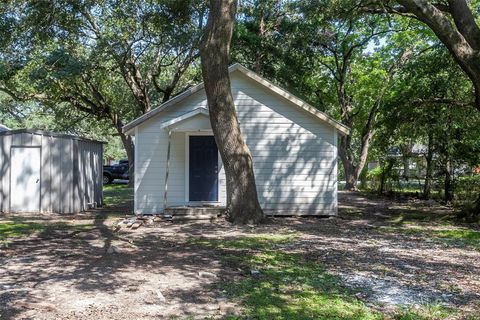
(111,60)
(318,50)
(342,45)
(242,199)
(428,109)
(273,37)
(454,23)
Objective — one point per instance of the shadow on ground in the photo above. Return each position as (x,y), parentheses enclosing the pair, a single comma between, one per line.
(157,271)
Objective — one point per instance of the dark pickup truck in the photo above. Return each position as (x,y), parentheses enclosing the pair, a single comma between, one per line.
(117,171)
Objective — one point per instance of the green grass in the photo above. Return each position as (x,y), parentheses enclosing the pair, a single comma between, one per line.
(115,194)
(414,216)
(67,227)
(459,237)
(18,228)
(289,287)
(15,229)
(425,312)
(292,287)
(263,241)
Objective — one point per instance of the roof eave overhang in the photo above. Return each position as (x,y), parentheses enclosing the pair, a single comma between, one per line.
(129,127)
(184,117)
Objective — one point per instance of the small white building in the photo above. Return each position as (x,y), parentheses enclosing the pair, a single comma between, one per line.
(294,149)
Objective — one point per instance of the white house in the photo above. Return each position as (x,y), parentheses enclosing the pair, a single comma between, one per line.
(294,149)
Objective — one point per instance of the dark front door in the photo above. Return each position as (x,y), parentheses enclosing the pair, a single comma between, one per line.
(203,177)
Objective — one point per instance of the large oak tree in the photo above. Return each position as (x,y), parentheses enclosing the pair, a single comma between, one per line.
(242,199)
(111,60)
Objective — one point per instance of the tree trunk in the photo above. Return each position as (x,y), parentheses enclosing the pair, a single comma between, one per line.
(352,170)
(242,199)
(130,150)
(351,182)
(385,174)
(476,210)
(350,177)
(127,142)
(406,167)
(345,153)
(448,182)
(259,54)
(427,187)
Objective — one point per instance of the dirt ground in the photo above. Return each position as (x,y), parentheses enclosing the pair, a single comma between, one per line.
(156,272)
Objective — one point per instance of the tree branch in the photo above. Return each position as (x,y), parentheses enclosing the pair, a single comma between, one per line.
(465,22)
(451,102)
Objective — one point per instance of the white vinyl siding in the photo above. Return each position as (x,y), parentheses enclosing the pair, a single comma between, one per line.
(294,153)
(151,164)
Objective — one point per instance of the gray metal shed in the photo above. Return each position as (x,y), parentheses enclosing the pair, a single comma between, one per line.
(49,172)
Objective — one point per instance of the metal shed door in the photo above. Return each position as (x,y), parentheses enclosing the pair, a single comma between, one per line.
(25,179)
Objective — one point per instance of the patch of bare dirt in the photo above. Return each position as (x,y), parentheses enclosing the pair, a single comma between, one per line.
(150,274)
(154,272)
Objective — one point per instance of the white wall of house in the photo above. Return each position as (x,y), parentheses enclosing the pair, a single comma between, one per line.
(294,153)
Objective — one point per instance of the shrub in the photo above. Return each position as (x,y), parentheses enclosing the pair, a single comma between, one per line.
(467,188)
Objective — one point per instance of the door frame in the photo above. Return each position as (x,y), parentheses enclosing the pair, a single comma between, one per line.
(187,168)
(10,180)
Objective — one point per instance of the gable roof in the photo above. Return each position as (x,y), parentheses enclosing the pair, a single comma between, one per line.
(184,117)
(3,128)
(257,78)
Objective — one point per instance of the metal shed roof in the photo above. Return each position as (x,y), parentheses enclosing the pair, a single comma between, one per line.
(49,134)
